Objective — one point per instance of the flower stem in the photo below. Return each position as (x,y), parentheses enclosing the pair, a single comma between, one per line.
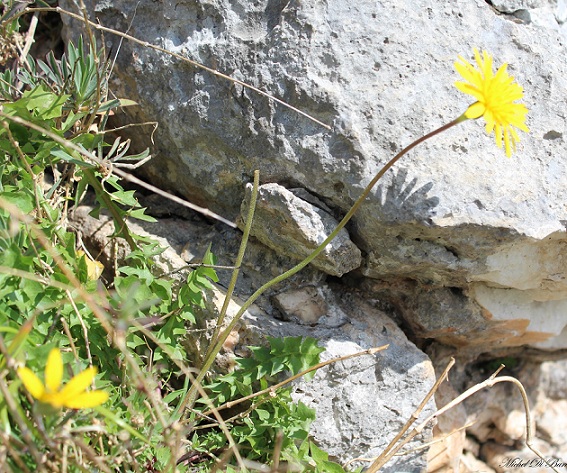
(191,394)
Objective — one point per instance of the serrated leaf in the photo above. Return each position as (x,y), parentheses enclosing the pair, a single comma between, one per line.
(134,341)
(126,198)
(141,215)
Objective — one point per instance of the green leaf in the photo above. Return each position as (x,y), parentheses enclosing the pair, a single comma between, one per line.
(140,215)
(74,159)
(125,198)
(23,199)
(43,103)
(109,105)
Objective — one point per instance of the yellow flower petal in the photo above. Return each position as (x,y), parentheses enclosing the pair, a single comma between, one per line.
(495,96)
(78,384)
(53,399)
(32,383)
(53,371)
(87,399)
(73,395)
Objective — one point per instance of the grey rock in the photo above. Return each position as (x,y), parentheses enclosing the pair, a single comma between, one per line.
(545,14)
(454,214)
(554,376)
(294,227)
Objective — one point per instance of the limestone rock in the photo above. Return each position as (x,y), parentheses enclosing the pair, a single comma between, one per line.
(459,221)
(471,464)
(550,414)
(549,14)
(294,227)
(554,379)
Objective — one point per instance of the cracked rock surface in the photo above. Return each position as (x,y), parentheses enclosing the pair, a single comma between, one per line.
(465,248)
(455,213)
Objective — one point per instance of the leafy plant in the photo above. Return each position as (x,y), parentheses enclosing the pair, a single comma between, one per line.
(132,326)
(268,421)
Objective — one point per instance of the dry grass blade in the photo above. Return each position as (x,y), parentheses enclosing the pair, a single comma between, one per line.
(392,448)
(380,461)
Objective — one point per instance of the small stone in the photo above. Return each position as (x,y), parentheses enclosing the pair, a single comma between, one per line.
(294,227)
(306,306)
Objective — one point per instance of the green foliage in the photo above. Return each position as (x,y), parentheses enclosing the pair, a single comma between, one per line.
(131,326)
(262,421)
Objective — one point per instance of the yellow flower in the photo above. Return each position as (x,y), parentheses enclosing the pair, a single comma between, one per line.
(495,95)
(73,395)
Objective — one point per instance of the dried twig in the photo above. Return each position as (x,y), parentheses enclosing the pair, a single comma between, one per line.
(392,448)
(494,379)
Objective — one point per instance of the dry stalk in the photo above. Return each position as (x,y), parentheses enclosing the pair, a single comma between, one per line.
(494,379)
(435,441)
(29,39)
(392,448)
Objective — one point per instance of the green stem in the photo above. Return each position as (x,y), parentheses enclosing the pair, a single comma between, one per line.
(242,249)
(192,393)
(212,353)
(238,263)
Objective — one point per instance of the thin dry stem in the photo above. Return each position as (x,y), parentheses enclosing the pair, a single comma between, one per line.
(380,461)
(436,441)
(277,452)
(124,175)
(29,38)
(7,442)
(391,449)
